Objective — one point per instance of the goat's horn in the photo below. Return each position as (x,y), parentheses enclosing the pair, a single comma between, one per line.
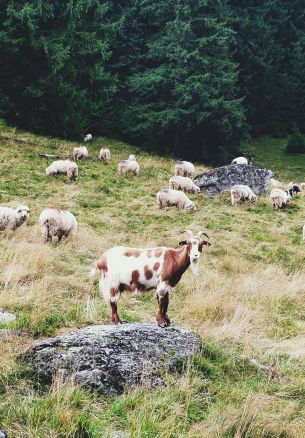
(200,233)
(190,233)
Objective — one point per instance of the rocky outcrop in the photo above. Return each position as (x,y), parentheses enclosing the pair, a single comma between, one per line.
(109,357)
(223,178)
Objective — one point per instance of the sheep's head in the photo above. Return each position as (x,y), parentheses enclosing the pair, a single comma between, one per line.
(293,190)
(195,246)
(191,207)
(248,156)
(23,212)
(253,199)
(198,189)
(132,158)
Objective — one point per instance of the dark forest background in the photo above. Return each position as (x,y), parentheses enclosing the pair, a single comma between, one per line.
(189,77)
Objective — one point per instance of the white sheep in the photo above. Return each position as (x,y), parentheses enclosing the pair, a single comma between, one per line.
(104,155)
(241,193)
(245,159)
(301,186)
(183,183)
(57,222)
(130,166)
(80,152)
(63,167)
(87,138)
(11,218)
(279,198)
(174,198)
(274,183)
(184,168)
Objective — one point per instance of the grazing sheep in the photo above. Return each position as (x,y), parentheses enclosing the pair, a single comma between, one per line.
(104,155)
(87,138)
(241,193)
(13,218)
(279,198)
(130,166)
(80,152)
(245,159)
(131,269)
(273,184)
(184,168)
(301,186)
(183,183)
(174,198)
(63,167)
(56,222)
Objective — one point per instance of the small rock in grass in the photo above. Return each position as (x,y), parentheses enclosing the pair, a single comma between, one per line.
(6,317)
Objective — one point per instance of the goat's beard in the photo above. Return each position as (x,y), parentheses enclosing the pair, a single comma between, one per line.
(195,267)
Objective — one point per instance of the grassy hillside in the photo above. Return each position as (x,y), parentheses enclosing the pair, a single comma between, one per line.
(247,303)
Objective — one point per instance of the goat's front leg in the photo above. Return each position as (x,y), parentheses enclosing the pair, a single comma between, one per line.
(115,317)
(163,290)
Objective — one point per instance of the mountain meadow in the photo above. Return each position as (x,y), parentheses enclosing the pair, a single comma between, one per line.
(246,304)
(197,80)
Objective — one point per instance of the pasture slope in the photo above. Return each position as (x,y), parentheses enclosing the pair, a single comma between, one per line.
(247,303)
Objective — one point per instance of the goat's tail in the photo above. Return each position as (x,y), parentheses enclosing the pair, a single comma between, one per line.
(100,266)
(93,271)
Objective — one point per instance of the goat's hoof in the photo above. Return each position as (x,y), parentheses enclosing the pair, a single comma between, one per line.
(117,321)
(163,322)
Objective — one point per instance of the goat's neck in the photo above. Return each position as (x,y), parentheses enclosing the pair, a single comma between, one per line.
(176,263)
(183,256)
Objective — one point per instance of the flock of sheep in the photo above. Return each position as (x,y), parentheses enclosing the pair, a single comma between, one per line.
(55,222)
(277,197)
(131,269)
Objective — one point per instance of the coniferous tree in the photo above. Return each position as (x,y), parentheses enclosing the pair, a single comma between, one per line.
(182,92)
(53,78)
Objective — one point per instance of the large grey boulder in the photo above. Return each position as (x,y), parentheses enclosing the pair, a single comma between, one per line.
(223,178)
(107,357)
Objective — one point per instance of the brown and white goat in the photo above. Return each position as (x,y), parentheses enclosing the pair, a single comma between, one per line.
(131,269)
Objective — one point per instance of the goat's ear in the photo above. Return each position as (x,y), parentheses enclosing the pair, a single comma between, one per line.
(203,242)
(183,242)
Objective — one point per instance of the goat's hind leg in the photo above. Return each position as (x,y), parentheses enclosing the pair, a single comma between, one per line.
(114,298)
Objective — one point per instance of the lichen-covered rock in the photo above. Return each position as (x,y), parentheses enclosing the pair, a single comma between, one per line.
(108,357)
(223,178)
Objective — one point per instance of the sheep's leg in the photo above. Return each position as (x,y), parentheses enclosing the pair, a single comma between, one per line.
(46,233)
(60,235)
(163,300)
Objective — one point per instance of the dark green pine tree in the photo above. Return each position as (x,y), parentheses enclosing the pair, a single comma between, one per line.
(270,51)
(293,108)
(177,78)
(53,54)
